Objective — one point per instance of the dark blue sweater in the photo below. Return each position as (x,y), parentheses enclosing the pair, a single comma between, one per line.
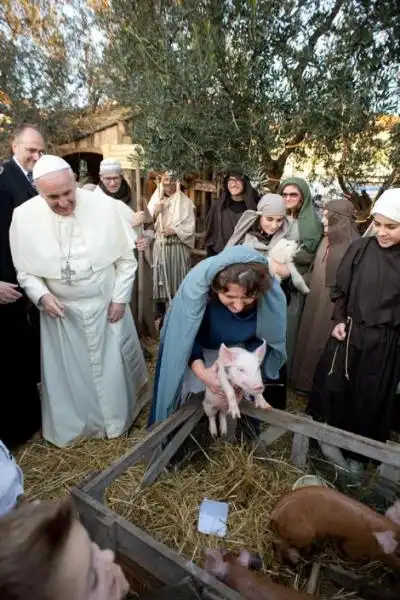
(220,325)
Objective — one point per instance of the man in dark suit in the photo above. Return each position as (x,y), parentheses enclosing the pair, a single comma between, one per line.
(19,321)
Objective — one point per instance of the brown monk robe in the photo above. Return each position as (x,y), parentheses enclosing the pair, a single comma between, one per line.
(316,323)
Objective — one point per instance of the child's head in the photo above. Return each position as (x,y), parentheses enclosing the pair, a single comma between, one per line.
(46,554)
(272,209)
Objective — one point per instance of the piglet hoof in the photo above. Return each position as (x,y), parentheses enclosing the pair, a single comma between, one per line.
(223,425)
(234,412)
(260,402)
(212,427)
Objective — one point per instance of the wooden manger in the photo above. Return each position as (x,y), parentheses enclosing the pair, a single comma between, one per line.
(150,564)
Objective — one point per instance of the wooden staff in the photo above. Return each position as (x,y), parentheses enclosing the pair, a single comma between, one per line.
(140,257)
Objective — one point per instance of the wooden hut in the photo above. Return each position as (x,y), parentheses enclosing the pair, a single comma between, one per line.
(105,134)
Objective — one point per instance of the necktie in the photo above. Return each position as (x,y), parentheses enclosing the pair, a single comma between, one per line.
(30,179)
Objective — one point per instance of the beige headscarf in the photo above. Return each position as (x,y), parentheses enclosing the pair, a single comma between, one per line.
(269,205)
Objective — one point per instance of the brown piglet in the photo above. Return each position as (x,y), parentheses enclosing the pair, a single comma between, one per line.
(234,572)
(319,513)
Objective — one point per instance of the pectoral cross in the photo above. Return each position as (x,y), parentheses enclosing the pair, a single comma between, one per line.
(66,273)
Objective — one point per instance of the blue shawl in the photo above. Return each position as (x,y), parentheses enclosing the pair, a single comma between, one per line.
(184,318)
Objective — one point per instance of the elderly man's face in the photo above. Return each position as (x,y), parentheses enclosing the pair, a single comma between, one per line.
(112,181)
(59,191)
(28,148)
(169,186)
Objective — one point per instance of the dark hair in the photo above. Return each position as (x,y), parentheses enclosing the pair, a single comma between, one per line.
(18,131)
(295,211)
(255,278)
(32,540)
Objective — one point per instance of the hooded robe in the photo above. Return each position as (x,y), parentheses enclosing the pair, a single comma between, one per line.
(225,213)
(307,230)
(316,323)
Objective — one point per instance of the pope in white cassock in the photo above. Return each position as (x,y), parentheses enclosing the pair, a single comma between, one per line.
(73,252)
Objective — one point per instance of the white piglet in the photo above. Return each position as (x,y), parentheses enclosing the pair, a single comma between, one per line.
(239,373)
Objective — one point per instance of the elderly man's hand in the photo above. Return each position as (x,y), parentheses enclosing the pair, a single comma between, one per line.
(138,218)
(51,305)
(143,242)
(159,207)
(9,293)
(116,311)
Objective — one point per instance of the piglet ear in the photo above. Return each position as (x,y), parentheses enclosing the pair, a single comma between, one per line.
(260,352)
(226,356)
(214,563)
(393,512)
(387,541)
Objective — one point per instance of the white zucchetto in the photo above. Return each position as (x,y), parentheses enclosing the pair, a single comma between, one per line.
(109,165)
(49,164)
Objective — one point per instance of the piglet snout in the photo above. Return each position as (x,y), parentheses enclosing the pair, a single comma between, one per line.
(258,389)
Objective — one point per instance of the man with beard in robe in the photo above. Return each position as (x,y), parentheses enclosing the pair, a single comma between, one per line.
(175,226)
(73,251)
(356,378)
(19,320)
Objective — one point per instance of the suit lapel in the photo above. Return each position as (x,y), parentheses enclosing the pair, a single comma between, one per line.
(25,189)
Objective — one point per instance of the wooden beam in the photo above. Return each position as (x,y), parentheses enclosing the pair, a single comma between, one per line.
(359,584)
(300,446)
(271,435)
(162,460)
(390,472)
(156,436)
(154,557)
(385,453)
(140,287)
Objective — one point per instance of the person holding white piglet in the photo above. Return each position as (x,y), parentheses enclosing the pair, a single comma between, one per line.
(228,299)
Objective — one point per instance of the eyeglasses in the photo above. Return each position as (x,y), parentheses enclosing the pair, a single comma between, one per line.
(110,179)
(234,180)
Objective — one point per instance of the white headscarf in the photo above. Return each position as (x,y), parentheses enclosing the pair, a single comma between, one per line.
(388,205)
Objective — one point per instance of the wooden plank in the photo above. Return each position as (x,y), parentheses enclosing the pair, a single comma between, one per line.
(139,207)
(185,590)
(389,472)
(365,588)
(152,556)
(156,436)
(106,533)
(205,186)
(300,447)
(271,435)
(159,464)
(385,453)
(140,581)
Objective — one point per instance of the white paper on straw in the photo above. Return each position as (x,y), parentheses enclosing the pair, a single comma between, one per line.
(213,518)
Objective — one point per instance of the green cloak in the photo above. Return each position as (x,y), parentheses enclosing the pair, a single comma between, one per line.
(310,226)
